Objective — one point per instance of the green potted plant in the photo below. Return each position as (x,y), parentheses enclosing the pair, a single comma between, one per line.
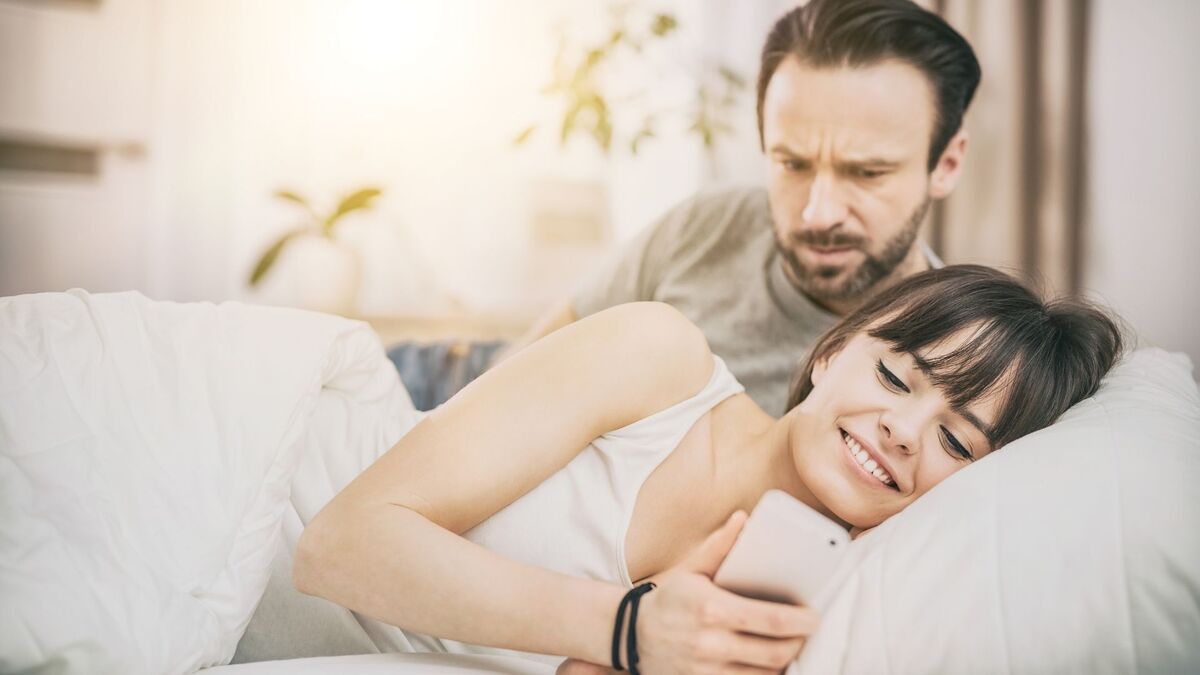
(328,270)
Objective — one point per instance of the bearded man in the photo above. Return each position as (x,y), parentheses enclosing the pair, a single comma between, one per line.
(860,109)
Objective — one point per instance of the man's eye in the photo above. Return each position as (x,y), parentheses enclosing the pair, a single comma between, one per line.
(890,378)
(867,174)
(794,165)
(955,447)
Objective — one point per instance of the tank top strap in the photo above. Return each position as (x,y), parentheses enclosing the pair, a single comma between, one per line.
(678,418)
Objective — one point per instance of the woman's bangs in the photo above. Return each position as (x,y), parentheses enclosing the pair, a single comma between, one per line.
(984,365)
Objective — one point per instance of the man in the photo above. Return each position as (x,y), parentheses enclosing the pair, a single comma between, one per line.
(860,107)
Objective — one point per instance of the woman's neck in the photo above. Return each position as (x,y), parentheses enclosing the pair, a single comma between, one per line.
(753,454)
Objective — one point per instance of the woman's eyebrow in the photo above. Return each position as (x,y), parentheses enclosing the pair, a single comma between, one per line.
(967,415)
(976,422)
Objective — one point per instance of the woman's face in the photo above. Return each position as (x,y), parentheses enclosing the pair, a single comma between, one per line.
(874,434)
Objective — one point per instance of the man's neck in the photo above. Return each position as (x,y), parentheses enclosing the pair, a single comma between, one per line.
(913,263)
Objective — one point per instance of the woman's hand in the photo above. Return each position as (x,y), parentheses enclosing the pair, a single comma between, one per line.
(690,625)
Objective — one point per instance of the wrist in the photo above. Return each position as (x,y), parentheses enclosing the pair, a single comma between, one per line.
(623,649)
(593,642)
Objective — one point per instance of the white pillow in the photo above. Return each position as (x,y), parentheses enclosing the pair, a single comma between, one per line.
(146,450)
(1073,550)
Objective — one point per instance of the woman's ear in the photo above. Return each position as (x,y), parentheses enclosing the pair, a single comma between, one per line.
(819,368)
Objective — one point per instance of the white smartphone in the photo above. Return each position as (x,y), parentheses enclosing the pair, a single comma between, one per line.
(786,552)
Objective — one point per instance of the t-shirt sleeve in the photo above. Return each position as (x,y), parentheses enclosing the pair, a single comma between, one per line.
(636,271)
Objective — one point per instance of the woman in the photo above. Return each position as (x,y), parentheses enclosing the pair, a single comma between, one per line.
(518,514)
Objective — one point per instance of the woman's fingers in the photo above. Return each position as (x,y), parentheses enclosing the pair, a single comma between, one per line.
(773,654)
(769,619)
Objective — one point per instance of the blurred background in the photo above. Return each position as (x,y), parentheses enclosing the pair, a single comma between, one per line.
(452,167)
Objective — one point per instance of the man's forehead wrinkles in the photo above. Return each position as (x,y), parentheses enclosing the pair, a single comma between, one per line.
(872,157)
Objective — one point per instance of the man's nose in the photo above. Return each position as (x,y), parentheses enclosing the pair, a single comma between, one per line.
(826,206)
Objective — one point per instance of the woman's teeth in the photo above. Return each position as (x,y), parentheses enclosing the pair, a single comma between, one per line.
(864,459)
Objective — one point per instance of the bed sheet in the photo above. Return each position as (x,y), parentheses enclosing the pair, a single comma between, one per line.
(389,664)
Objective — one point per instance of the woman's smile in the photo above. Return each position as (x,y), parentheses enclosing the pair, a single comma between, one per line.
(865,463)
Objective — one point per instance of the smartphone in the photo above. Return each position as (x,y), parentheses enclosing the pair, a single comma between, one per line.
(786,552)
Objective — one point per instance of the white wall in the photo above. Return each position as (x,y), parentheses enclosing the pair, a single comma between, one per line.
(421,98)
(75,76)
(1143,239)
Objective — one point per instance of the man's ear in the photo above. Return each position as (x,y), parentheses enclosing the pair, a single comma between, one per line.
(949,166)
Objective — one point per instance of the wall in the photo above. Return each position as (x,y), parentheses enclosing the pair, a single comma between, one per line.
(424,100)
(75,76)
(1143,238)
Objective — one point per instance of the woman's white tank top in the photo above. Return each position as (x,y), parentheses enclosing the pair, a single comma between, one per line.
(576,520)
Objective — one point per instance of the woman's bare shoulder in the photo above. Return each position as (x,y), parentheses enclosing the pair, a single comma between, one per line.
(659,353)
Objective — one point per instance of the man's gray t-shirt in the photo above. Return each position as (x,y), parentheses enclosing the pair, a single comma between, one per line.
(714,259)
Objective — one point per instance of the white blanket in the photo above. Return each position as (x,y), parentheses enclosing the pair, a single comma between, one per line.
(146,452)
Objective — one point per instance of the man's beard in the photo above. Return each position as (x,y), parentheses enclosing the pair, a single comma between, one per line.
(820,282)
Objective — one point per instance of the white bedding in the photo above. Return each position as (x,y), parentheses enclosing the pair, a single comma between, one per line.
(146,455)
(150,451)
(390,664)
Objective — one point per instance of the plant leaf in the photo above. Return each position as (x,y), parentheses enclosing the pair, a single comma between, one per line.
(642,135)
(358,200)
(522,137)
(732,77)
(269,256)
(568,122)
(663,24)
(292,197)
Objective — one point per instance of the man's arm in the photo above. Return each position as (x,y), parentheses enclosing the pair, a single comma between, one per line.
(631,276)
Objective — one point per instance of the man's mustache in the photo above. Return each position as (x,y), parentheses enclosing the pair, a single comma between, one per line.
(827,239)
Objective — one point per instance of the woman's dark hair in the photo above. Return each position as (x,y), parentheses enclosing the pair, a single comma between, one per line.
(1046,356)
(854,33)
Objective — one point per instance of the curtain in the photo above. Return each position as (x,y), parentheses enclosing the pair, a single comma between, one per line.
(1021,204)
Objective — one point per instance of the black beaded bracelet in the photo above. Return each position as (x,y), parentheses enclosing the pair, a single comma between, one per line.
(632,598)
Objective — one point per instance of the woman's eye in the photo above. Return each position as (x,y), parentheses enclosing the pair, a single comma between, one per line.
(890,378)
(955,447)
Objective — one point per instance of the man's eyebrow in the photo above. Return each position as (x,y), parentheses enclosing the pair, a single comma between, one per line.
(877,160)
(783,149)
(967,415)
(871,161)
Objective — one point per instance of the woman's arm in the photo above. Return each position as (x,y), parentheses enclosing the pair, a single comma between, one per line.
(388,546)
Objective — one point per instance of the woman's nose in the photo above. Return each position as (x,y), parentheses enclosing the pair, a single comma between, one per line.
(898,435)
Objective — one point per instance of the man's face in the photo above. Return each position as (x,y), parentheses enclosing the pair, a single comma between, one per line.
(848,178)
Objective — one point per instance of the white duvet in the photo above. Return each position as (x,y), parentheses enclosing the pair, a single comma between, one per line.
(150,451)
(146,453)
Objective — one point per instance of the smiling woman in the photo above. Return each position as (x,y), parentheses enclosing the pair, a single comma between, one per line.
(599,456)
(932,374)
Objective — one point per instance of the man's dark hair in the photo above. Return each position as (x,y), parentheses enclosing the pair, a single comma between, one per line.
(855,33)
(1046,357)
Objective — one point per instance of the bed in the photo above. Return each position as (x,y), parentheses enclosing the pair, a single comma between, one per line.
(158,461)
